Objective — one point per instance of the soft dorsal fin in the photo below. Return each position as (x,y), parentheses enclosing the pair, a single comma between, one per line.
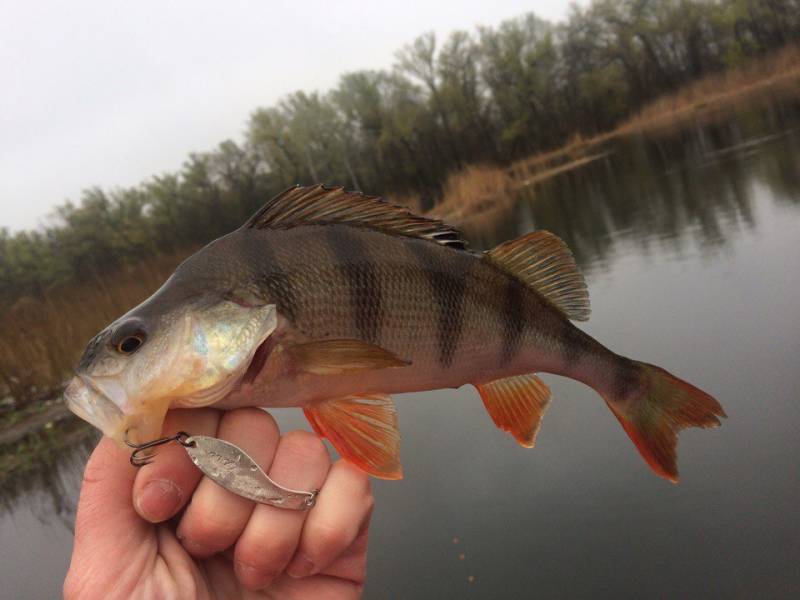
(320,204)
(543,261)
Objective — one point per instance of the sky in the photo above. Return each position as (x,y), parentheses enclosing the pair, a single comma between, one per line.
(109,93)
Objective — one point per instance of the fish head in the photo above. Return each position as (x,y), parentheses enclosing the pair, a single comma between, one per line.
(165,353)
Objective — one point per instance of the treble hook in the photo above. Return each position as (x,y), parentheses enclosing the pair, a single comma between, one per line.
(181,437)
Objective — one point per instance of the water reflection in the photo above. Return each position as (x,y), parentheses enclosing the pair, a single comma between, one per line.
(668,192)
(49,488)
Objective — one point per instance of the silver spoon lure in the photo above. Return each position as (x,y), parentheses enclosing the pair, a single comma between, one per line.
(231,467)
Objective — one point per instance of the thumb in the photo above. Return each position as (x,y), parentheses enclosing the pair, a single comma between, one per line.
(109,534)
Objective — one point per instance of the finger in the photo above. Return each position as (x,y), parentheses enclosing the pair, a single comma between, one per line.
(338,517)
(351,565)
(216,517)
(106,525)
(164,486)
(270,538)
(321,586)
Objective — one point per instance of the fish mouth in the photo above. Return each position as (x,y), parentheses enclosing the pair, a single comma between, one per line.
(102,402)
(84,397)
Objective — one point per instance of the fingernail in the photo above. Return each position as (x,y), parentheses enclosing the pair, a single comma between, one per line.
(300,567)
(158,500)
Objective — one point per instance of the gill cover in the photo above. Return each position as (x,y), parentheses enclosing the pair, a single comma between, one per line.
(222,343)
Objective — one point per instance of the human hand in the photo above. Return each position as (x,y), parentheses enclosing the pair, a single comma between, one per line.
(127,544)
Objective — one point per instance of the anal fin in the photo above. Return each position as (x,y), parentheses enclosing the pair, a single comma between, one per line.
(516,405)
(363,429)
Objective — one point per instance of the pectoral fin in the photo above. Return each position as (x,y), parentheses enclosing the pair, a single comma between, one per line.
(516,404)
(330,357)
(363,429)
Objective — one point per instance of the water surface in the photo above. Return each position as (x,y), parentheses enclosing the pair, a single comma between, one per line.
(691,250)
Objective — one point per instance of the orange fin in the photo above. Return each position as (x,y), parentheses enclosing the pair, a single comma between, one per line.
(516,404)
(363,429)
(543,262)
(329,357)
(663,406)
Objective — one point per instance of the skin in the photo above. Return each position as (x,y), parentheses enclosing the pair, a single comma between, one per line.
(164,531)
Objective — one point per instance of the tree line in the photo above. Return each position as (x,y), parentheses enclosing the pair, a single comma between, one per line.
(491,95)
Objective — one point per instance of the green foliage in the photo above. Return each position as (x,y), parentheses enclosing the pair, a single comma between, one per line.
(494,96)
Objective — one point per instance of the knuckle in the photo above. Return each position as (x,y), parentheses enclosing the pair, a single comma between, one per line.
(267,554)
(304,447)
(369,501)
(362,488)
(327,538)
(209,527)
(356,482)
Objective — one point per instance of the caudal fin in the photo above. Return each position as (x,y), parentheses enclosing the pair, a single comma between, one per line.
(660,407)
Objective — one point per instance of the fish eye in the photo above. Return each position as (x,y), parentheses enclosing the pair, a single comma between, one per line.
(130,344)
(129,336)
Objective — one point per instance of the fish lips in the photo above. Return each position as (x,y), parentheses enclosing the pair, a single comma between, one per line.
(98,403)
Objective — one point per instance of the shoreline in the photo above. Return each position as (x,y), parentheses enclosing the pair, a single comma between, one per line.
(478,190)
(53,414)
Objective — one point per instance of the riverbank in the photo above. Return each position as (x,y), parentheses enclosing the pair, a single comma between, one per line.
(35,443)
(477,190)
(31,437)
(38,417)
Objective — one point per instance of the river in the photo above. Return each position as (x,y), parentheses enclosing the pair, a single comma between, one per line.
(691,249)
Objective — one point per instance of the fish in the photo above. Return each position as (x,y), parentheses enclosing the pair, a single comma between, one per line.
(332,301)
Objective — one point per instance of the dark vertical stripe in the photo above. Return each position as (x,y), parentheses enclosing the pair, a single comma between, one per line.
(513,323)
(275,283)
(627,378)
(449,293)
(363,283)
(574,342)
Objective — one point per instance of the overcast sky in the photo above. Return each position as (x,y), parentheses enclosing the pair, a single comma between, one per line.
(109,93)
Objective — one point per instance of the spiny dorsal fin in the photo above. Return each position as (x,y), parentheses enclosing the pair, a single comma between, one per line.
(516,405)
(543,261)
(320,204)
(363,429)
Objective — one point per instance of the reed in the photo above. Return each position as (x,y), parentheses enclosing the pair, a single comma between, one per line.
(471,190)
(41,338)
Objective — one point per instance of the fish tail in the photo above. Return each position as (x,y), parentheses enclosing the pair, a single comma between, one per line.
(653,406)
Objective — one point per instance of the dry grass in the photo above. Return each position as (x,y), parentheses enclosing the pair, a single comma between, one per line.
(471,190)
(760,82)
(41,339)
(475,192)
